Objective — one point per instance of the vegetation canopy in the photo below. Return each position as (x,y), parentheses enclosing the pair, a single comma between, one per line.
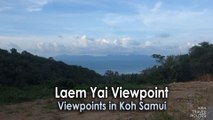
(21,69)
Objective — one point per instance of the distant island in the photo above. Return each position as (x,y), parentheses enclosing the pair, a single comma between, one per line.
(125,64)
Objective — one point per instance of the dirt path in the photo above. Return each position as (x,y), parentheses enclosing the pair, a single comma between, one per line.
(210,113)
(183,98)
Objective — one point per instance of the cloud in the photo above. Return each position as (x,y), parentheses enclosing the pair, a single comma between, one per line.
(123,42)
(156,7)
(84,45)
(13,45)
(164,28)
(51,46)
(50,49)
(158,18)
(81,41)
(28,5)
(147,43)
(184,47)
(36,5)
(33,9)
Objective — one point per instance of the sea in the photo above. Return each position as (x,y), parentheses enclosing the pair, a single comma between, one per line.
(124,64)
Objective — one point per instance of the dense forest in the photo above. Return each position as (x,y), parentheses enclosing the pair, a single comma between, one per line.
(21,69)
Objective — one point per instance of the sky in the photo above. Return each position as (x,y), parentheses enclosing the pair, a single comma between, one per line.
(104,27)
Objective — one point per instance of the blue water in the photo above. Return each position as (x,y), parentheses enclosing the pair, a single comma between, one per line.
(121,64)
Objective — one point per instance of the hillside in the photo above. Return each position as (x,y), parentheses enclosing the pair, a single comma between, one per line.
(21,69)
(196,63)
(184,98)
(18,69)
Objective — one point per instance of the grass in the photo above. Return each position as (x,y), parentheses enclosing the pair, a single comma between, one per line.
(50,105)
(10,95)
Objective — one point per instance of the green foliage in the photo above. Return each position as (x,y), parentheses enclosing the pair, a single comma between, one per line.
(21,69)
(181,68)
(27,93)
(202,58)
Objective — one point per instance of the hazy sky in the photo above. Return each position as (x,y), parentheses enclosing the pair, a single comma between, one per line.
(100,27)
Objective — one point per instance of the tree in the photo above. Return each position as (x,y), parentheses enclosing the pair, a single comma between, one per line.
(13,51)
(159,58)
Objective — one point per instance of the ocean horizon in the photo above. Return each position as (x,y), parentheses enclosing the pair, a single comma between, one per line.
(124,64)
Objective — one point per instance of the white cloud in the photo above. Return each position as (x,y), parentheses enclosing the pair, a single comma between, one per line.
(156,7)
(184,47)
(35,5)
(154,28)
(125,42)
(147,43)
(28,5)
(173,19)
(78,45)
(81,41)
(12,45)
(50,47)
(167,26)
(33,9)
(157,19)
